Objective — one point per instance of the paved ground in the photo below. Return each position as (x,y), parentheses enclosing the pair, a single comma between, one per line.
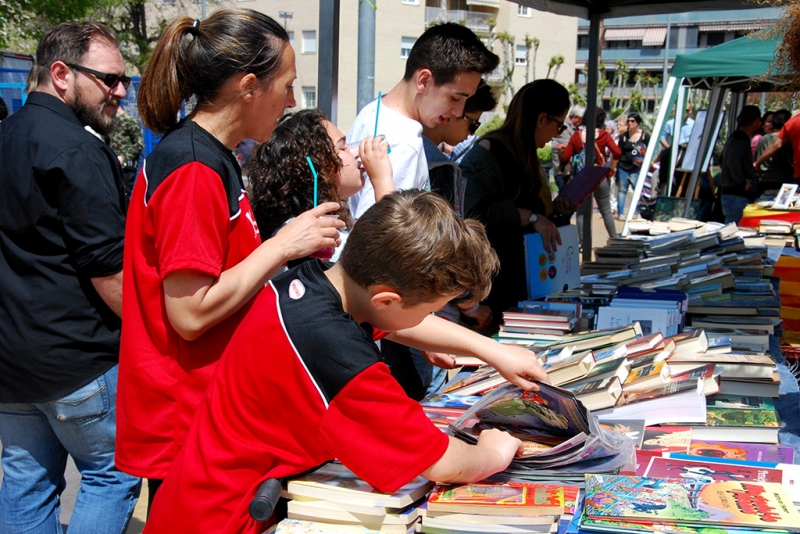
(599,237)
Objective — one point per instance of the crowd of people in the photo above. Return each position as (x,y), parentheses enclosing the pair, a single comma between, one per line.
(236,354)
(265,330)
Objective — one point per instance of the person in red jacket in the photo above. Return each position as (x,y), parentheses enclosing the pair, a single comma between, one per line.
(322,390)
(193,251)
(603,143)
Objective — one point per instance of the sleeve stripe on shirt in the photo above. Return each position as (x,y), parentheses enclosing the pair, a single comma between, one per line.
(294,348)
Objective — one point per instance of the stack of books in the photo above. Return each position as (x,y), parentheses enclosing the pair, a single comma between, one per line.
(333,495)
(539,321)
(506,507)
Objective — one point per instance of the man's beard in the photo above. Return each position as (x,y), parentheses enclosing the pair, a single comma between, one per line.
(93,116)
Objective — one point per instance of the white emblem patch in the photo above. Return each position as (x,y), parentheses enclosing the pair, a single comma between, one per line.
(296,289)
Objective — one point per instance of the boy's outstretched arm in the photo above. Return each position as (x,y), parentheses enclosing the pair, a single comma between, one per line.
(462,463)
(434,334)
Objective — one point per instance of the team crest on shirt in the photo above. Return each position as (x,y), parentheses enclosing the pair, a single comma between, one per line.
(296,289)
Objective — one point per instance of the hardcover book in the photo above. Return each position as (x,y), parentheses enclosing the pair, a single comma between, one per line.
(731,503)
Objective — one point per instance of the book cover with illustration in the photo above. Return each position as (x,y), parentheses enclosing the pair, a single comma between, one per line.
(551,409)
(512,498)
(710,471)
(729,503)
(756,452)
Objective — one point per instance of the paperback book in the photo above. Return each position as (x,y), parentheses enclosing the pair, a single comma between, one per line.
(502,499)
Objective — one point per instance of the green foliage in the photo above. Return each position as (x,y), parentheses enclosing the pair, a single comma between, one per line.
(489,126)
(576,94)
(26,20)
(544,154)
(137,23)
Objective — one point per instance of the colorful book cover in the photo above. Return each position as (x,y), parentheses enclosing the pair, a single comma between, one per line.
(756,452)
(499,499)
(729,503)
(710,471)
(552,409)
(652,372)
(737,417)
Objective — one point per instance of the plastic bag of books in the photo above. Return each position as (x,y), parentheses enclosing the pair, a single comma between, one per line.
(556,429)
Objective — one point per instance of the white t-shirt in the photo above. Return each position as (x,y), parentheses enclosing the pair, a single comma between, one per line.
(407,155)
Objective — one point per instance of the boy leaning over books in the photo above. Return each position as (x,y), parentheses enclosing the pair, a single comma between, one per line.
(302,380)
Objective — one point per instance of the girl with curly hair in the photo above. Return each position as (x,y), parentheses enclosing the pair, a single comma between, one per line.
(282,182)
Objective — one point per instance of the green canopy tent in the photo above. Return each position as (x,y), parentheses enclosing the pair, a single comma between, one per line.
(739,66)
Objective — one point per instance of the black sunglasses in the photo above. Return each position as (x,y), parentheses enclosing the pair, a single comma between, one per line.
(109,80)
(473,124)
(561,125)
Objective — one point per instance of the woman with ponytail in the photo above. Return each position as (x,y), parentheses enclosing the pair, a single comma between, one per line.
(194,256)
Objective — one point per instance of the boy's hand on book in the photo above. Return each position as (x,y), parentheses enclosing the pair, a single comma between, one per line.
(519,366)
(503,443)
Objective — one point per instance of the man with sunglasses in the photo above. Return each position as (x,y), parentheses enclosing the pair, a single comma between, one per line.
(62,225)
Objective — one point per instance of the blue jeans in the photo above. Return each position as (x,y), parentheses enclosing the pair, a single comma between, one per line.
(625,179)
(733,207)
(36,440)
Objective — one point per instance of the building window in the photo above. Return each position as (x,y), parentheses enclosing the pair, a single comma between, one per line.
(309,97)
(291,38)
(310,42)
(519,58)
(583,42)
(411,2)
(523,11)
(406,43)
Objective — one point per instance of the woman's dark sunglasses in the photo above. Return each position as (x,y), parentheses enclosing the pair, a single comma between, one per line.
(561,125)
(109,80)
(473,124)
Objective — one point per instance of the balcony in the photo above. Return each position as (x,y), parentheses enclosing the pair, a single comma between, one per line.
(648,58)
(474,20)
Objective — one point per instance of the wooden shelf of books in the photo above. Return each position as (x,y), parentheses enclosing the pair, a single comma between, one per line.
(669,408)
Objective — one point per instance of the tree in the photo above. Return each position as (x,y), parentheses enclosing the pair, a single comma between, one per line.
(554,64)
(617,97)
(576,94)
(137,23)
(530,42)
(23,22)
(507,45)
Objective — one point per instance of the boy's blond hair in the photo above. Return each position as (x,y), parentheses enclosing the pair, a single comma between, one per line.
(413,242)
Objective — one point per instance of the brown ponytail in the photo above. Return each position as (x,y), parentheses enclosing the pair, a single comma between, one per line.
(196,59)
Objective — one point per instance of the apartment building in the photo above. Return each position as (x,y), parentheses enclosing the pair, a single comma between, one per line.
(397,25)
(651,42)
